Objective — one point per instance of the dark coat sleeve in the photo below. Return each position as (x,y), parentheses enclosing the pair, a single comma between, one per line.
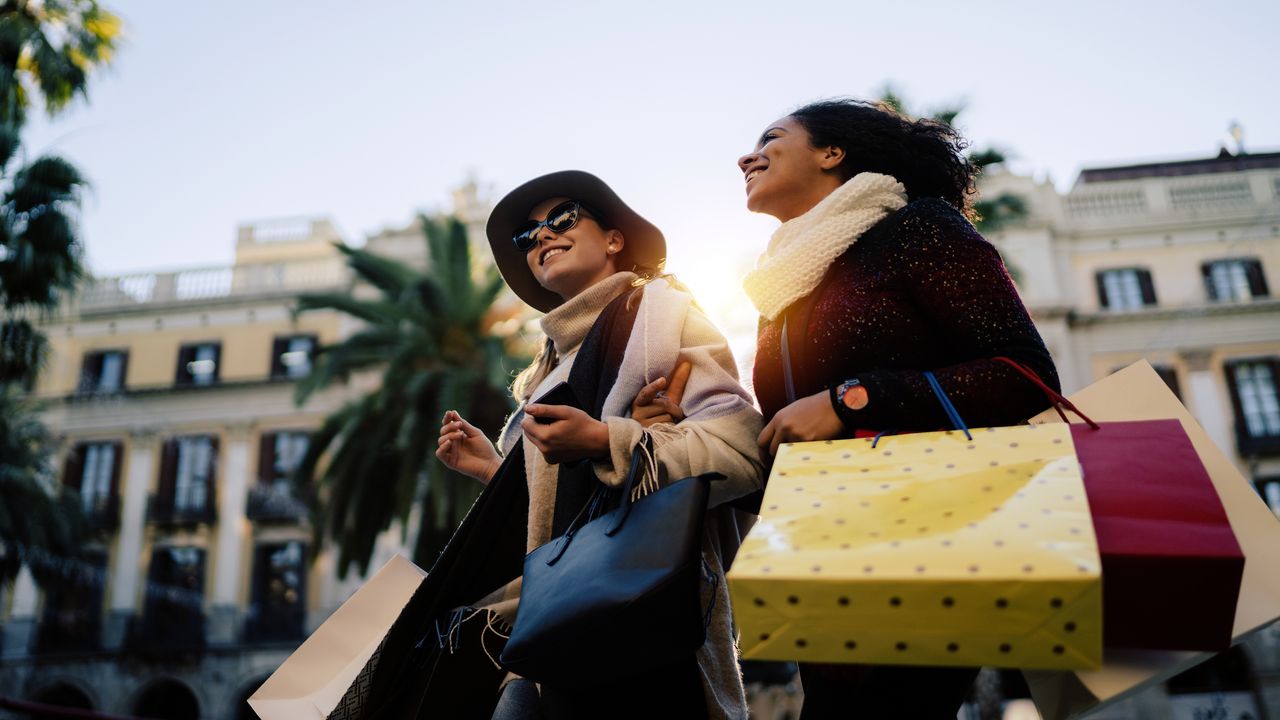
(959,282)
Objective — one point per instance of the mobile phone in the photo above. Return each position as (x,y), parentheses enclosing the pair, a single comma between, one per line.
(561,394)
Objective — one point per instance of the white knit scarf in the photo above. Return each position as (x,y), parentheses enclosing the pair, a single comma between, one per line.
(802,249)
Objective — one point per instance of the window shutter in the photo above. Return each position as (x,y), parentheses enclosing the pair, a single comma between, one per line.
(212,500)
(115,468)
(185,354)
(1148,287)
(1229,369)
(1257,281)
(217,363)
(168,473)
(1206,272)
(266,458)
(90,370)
(124,370)
(1102,289)
(74,470)
(278,348)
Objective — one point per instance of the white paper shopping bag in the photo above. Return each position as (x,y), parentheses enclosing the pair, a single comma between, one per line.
(316,676)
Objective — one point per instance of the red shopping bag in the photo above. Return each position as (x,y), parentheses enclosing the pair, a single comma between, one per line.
(1171,566)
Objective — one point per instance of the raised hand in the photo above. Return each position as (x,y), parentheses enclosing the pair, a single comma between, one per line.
(465,449)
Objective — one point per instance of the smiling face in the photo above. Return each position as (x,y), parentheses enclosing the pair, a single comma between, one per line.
(568,263)
(785,174)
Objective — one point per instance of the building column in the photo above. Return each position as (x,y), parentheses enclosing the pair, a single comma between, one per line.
(20,629)
(1208,406)
(225,616)
(125,577)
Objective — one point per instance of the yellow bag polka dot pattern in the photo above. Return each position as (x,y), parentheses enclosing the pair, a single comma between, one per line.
(928,549)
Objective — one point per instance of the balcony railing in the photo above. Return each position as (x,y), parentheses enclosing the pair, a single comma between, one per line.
(165,512)
(277,502)
(69,632)
(195,285)
(164,630)
(267,626)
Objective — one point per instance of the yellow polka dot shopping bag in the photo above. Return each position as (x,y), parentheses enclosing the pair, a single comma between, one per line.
(942,548)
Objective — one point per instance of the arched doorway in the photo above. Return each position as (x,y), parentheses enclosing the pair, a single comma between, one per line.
(167,700)
(63,694)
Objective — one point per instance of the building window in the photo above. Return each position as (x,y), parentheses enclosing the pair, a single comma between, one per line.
(1170,378)
(198,363)
(274,498)
(1234,279)
(103,371)
(174,609)
(291,356)
(279,593)
(1125,289)
(93,471)
(1257,407)
(279,455)
(72,618)
(1269,489)
(186,480)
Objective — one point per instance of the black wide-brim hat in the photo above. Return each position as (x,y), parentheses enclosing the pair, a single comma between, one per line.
(644,246)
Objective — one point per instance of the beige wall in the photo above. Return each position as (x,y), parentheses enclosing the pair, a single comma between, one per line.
(1174,264)
(153,354)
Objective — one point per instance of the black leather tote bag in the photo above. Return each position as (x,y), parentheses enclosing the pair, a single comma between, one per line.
(615,594)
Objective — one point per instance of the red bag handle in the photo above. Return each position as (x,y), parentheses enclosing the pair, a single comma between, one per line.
(1059,402)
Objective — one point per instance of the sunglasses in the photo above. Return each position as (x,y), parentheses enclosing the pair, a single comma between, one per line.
(560,219)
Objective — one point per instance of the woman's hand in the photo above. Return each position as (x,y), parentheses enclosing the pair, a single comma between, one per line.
(659,402)
(809,418)
(465,449)
(570,435)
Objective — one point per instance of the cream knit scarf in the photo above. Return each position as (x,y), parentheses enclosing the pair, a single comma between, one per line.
(802,249)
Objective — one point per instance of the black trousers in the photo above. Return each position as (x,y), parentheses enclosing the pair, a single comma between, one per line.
(877,692)
(667,693)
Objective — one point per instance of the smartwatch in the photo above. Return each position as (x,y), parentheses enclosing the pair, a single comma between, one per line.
(838,393)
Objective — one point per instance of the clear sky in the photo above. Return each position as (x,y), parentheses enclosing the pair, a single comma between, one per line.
(219,113)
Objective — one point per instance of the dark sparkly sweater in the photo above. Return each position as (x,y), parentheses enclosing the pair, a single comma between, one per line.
(921,290)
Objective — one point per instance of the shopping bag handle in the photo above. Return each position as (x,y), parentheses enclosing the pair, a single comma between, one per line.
(1056,398)
(640,461)
(953,415)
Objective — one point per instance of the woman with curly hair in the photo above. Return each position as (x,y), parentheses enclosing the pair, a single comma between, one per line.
(874,277)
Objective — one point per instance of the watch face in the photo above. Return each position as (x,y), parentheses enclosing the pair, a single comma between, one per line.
(853,395)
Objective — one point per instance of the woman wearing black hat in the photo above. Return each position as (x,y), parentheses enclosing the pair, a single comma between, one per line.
(568,246)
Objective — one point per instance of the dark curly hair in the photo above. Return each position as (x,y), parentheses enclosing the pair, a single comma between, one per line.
(926,156)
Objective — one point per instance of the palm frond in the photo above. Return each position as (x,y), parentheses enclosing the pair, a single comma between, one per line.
(368,310)
(46,181)
(385,274)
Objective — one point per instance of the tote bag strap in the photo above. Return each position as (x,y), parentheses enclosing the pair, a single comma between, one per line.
(788,378)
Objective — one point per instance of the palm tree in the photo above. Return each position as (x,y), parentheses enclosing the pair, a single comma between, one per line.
(429,334)
(36,516)
(39,264)
(991,213)
(49,48)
